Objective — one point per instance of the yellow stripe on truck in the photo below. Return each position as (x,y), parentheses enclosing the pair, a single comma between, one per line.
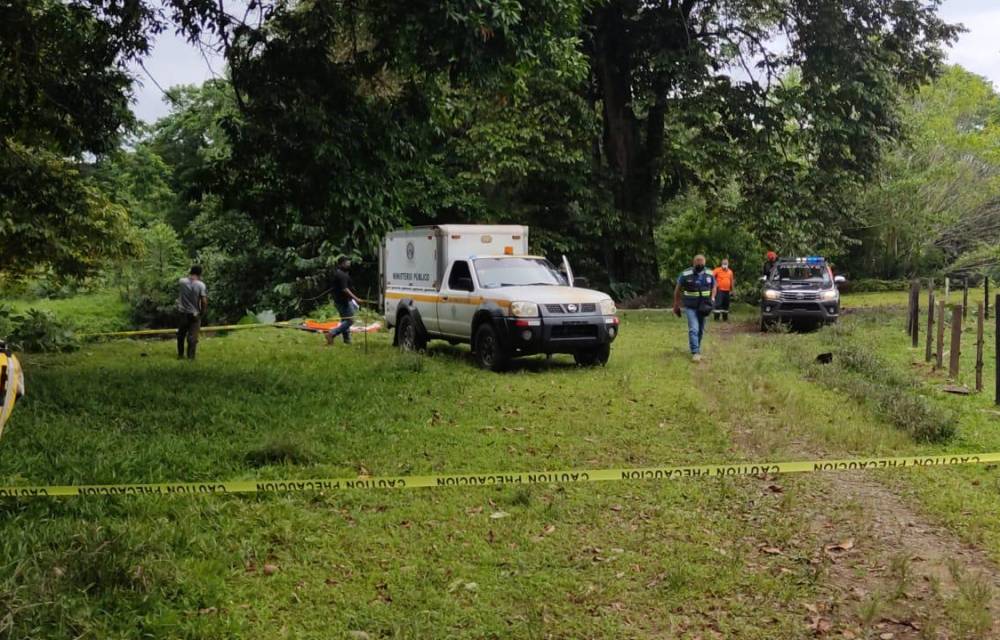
(420,297)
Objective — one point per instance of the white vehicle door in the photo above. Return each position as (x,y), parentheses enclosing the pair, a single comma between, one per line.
(458,302)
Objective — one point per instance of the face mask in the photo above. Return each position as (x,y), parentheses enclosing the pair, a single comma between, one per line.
(698,268)
(725,265)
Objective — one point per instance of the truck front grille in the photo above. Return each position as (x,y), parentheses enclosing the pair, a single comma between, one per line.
(796,296)
(586,307)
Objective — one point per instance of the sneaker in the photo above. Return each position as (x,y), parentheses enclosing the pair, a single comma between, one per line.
(328,338)
(696,357)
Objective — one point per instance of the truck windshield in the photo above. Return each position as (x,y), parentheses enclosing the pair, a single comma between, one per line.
(816,273)
(516,272)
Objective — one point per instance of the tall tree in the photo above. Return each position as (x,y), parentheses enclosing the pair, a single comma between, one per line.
(688,87)
(64,93)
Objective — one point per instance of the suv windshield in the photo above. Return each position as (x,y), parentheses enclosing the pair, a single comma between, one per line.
(794,272)
(515,272)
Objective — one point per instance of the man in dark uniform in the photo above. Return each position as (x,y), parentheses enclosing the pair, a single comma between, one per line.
(695,294)
(345,301)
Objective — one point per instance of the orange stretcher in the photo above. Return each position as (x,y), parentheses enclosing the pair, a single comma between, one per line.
(319,327)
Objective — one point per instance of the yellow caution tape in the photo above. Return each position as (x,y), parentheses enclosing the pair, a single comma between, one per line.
(496,479)
(168,332)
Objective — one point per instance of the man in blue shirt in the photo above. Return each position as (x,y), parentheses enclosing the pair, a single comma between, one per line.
(695,294)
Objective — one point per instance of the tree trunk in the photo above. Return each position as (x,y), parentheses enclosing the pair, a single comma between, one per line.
(633,159)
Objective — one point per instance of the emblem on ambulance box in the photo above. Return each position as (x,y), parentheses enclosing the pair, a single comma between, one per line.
(409,250)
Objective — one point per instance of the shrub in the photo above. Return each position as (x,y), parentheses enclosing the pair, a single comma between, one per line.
(36,331)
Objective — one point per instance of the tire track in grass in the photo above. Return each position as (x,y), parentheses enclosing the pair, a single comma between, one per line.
(884,569)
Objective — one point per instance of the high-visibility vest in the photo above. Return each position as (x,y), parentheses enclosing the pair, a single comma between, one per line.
(695,286)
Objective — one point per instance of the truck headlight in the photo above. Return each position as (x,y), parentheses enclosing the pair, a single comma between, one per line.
(771,294)
(524,309)
(608,307)
(832,294)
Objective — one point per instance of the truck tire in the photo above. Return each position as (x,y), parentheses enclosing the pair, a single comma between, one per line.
(490,352)
(593,357)
(408,334)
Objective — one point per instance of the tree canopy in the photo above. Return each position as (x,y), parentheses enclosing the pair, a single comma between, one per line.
(597,123)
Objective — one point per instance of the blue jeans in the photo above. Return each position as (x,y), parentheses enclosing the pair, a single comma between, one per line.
(346,320)
(696,328)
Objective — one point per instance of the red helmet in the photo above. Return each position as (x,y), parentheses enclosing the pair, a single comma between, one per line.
(772,256)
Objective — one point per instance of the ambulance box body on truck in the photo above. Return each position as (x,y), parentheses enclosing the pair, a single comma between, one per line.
(478,284)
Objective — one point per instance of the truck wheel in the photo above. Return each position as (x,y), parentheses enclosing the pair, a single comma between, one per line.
(490,352)
(593,357)
(408,335)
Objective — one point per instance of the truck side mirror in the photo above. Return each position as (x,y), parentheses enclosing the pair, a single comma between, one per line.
(581,282)
(464,284)
(839,279)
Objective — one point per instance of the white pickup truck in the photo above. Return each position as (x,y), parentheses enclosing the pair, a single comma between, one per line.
(477,284)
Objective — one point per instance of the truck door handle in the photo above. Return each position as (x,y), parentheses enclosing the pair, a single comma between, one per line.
(444,298)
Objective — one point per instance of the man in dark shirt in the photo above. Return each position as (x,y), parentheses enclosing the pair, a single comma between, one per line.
(345,301)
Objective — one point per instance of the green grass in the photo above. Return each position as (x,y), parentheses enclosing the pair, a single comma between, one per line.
(609,560)
(93,312)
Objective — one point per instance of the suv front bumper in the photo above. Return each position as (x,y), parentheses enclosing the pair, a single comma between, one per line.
(818,310)
(547,334)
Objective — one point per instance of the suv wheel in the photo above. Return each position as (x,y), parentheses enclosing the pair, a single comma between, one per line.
(490,353)
(408,335)
(593,357)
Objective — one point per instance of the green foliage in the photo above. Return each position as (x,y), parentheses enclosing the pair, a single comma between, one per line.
(690,229)
(934,207)
(149,282)
(65,93)
(36,331)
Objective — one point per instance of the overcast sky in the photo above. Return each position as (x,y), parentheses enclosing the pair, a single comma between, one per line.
(173,61)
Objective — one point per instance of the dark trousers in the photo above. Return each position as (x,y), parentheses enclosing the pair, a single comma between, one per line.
(346,320)
(722,305)
(188,332)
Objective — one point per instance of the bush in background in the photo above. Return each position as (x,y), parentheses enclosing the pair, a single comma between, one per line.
(36,331)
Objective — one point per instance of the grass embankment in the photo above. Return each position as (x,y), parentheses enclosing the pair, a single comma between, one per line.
(716,558)
(88,313)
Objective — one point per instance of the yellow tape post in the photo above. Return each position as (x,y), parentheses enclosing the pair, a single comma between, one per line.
(571,476)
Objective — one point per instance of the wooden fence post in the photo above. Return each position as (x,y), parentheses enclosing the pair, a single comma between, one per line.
(929,351)
(915,334)
(986,296)
(965,298)
(979,348)
(956,341)
(947,286)
(939,356)
(909,311)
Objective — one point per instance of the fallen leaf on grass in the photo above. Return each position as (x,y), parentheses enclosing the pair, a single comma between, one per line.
(615,507)
(773,551)
(270,569)
(474,510)
(496,515)
(774,488)
(846,545)
(820,626)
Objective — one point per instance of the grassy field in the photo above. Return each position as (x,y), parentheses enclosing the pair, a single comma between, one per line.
(734,558)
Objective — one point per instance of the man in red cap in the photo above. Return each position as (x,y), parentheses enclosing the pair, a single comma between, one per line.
(772,261)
